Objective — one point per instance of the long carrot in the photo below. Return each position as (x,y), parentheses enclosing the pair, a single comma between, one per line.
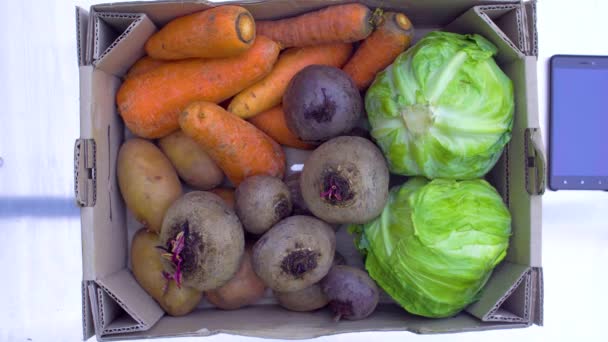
(222,31)
(150,103)
(340,23)
(144,65)
(393,35)
(268,92)
(238,148)
(272,122)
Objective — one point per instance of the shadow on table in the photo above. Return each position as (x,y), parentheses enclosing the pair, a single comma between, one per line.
(19,206)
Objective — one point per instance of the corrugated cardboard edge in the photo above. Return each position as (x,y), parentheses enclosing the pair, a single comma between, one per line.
(506,279)
(114,59)
(88,324)
(537,314)
(117,305)
(82,21)
(124,290)
(529,9)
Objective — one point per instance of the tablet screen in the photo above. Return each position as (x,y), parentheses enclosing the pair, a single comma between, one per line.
(579,119)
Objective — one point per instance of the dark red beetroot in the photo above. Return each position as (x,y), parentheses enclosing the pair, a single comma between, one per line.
(352,293)
(321,102)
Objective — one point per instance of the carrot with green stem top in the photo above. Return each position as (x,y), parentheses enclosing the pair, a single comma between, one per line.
(272,122)
(393,35)
(150,103)
(334,24)
(222,31)
(268,92)
(239,148)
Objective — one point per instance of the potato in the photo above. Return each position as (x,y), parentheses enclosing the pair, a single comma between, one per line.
(148,271)
(245,288)
(147,181)
(209,237)
(192,163)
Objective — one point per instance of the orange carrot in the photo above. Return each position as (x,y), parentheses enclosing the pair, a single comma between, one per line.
(226,194)
(272,122)
(268,92)
(393,35)
(144,65)
(150,103)
(334,24)
(222,31)
(238,148)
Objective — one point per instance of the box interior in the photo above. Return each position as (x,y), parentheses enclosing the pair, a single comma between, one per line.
(110,40)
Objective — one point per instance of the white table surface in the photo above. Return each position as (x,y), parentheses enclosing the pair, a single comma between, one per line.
(41,253)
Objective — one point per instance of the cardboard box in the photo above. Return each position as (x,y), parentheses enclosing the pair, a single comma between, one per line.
(111,38)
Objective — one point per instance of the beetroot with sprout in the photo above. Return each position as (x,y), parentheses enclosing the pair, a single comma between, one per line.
(345,180)
(202,241)
(295,253)
(352,294)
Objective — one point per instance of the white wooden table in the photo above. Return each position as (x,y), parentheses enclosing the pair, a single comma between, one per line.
(40,256)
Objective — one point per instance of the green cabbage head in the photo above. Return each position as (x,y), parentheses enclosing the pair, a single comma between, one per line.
(443,109)
(435,245)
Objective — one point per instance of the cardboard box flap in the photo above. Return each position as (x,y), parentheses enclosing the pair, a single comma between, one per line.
(477,20)
(426,13)
(160,12)
(124,306)
(119,40)
(529,16)
(82,21)
(103,221)
(506,295)
(88,325)
(274,322)
(537,315)
(525,207)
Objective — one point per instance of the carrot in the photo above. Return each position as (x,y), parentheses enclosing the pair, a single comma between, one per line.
(144,65)
(393,35)
(272,122)
(150,103)
(226,194)
(334,24)
(268,92)
(237,147)
(222,31)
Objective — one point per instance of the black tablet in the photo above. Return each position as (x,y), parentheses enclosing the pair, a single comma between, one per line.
(578,120)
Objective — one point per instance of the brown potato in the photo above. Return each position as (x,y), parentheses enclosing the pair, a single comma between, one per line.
(192,163)
(147,269)
(147,180)
(211,238)
(245,288)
